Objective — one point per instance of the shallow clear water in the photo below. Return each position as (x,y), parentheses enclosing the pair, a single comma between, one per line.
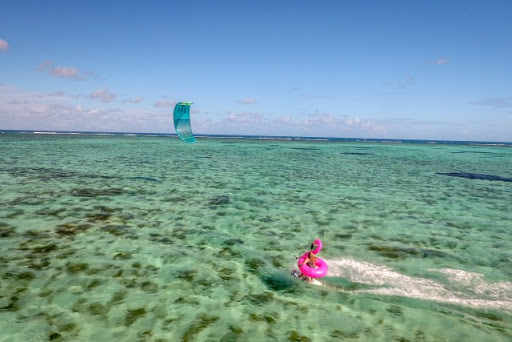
(131,238)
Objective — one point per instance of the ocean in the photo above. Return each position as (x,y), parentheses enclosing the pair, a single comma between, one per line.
(141,237)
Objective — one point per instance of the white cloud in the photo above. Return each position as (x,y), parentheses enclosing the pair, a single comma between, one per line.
(283,120)
(21,109)
(68,72)
(57,93)
(57,110)
(404,84)
(303,93)
(247,101)
(103,95)
(496,102)
(410,81)
(164,104)
(44,65)
(63,72)
(318,120)
(441,61)
(12,95)
(244,118)
(135,99)
(4,46)
(352,122)
(327,125)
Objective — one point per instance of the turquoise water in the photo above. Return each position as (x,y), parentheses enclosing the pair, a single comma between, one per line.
(140,238)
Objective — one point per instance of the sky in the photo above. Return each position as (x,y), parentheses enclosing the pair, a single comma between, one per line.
(326,68)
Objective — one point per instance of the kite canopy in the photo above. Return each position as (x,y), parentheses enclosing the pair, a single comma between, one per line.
(182,122)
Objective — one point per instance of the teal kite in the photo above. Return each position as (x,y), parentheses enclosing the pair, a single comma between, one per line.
(182,122)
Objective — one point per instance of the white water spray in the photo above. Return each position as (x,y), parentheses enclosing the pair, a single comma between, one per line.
(461,287)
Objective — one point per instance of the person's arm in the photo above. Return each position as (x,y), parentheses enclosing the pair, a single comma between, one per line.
(305,261)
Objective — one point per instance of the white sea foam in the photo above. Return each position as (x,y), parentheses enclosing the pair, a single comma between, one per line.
(461,287)
(477,284)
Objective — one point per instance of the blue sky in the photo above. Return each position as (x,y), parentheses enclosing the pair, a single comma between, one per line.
(364,69)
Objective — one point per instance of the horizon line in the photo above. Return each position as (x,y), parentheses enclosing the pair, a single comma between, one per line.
(291,137)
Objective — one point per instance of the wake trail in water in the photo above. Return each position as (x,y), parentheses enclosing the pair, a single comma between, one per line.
(454,287)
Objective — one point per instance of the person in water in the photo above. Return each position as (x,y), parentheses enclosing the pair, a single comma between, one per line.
(311,262)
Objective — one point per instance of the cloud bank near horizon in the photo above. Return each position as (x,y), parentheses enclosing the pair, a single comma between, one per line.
(58,110)
(21,109)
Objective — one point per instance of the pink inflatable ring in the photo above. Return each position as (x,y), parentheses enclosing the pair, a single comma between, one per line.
(316,272)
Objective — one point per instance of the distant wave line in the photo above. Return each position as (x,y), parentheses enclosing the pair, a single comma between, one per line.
(286,138)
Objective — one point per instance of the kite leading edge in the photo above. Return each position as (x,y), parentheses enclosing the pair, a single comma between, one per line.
(182,122)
